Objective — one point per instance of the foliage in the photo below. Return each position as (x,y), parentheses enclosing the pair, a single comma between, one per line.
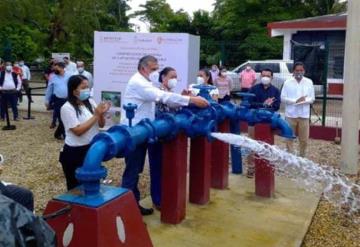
(234,32)
(35,28)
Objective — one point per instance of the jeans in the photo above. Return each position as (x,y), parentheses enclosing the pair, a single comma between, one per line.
(9,98)
(135,165)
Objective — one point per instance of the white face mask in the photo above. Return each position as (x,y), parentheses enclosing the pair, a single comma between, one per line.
(21,63)
(223,73)
(8,68)
(81,69)
(265,80)
(200,80)
(172,83)
(248,68)
(154,76)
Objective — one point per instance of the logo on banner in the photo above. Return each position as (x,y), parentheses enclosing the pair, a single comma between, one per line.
(163,40)
(111,39)
(138,40)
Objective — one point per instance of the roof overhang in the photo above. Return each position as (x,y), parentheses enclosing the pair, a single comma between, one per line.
(327,22)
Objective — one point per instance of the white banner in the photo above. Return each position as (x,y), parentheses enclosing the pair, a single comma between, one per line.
(116,56)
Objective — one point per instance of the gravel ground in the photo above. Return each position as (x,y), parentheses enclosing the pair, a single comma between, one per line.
(31,160)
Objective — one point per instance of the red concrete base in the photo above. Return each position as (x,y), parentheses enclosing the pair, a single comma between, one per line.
(173,184)
(264,173)
(116,223)
(200,170)
(220,159)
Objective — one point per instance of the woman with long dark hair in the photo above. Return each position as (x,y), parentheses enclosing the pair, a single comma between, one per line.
(82,119)
(204,78)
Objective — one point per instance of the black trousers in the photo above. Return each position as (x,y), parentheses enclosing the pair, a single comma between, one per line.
(60,130)
(9,98)
(20,195)
(72,158)
(26,86)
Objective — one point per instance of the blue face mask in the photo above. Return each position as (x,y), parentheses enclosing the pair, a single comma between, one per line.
(84,94)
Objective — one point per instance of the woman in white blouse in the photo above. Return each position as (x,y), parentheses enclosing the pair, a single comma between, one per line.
(82,119)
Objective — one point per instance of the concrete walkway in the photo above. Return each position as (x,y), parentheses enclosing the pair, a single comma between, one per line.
(236,217)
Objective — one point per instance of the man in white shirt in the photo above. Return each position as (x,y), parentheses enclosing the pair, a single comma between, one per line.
(10,85)
(80,65)
(141,91)
(26,77)
(297,94)
(70,67)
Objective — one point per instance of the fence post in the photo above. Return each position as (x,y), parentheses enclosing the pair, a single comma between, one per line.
(325,75)
(29,117)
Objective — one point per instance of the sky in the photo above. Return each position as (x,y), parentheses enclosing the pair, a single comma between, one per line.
(188,6)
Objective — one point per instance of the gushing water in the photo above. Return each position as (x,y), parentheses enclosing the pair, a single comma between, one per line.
(338,189)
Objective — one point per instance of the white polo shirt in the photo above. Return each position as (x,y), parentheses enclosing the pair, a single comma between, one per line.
(71,120)
(293,90)
(144,94)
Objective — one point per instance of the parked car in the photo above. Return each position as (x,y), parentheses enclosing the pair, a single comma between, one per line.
(282,71)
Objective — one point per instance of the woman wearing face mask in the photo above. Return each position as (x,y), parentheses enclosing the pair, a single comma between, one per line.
(204,78)
(167,81)
(224,84)
(82,119)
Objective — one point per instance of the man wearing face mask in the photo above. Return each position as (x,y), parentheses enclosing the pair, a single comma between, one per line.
(80,65)
(266,95)
(141,91)
(247,79)
(10,85)
(297,94)
(57,91)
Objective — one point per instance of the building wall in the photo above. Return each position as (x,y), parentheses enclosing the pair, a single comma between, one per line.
(336,42)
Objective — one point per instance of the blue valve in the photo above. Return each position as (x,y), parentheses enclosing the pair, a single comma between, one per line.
(130,112)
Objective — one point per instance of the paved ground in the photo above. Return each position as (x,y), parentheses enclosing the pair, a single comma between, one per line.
(236,217)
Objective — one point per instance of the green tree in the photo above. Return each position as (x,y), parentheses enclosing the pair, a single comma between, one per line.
(40,27)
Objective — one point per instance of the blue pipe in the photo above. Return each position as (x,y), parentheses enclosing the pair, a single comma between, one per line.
(120,139)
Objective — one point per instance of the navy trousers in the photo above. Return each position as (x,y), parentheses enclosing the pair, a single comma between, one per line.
(135,165)
(9,98)
(60,130)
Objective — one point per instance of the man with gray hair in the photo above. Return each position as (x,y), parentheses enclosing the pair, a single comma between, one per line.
(141,91)
(80,65)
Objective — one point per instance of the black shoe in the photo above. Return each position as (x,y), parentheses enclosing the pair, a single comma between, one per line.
(146,211)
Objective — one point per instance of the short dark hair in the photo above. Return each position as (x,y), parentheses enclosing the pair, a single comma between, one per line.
(164,72)
(268,70)
(60,64)
(298,64)
(67,58)
(144,61)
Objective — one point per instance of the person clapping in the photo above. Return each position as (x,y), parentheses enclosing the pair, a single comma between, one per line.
(82,119)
